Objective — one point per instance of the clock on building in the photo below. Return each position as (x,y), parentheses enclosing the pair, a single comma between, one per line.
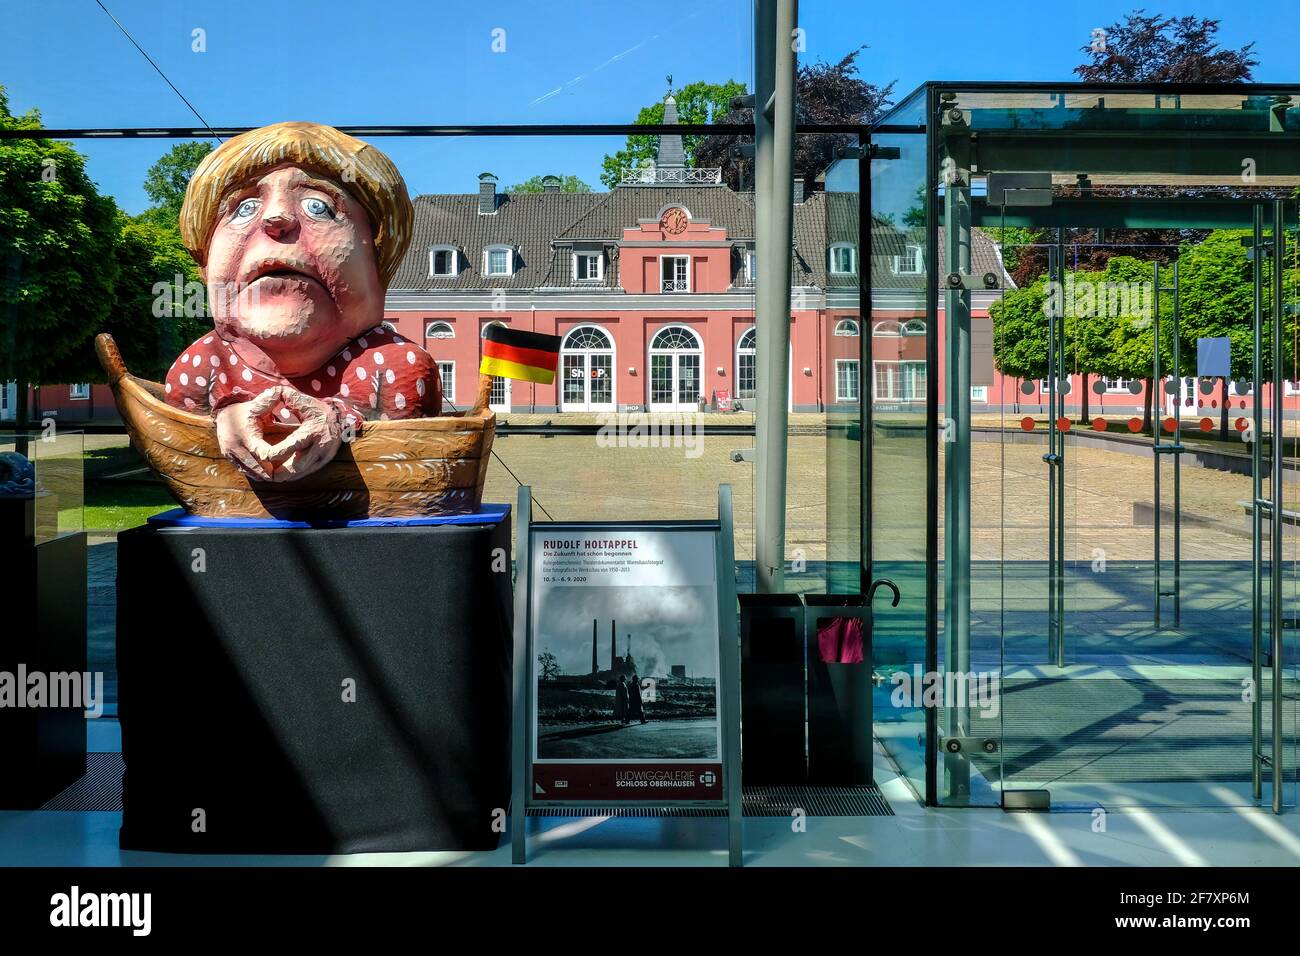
(673,221)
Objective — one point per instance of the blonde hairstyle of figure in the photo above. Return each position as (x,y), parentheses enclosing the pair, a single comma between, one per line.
(367,174)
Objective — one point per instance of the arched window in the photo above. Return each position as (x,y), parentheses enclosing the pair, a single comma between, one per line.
(887,328)
(439,330)
(914,327)
(747,364)
(843,259)
(676,354)
(847,328)
(587,370)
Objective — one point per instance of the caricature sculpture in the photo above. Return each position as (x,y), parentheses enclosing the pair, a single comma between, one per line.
(301,403)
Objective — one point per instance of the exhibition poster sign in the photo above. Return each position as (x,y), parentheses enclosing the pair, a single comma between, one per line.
(625,664)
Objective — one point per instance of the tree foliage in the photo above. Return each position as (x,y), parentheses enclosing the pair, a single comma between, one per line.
(535,184)
(166,180)
(698,102)
(1160,49)
(57,241)
(824,93)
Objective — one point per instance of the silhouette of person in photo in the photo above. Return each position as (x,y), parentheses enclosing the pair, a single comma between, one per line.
(620,700)
(635,710)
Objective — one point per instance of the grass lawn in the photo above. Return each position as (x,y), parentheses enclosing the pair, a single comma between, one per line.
(116,506)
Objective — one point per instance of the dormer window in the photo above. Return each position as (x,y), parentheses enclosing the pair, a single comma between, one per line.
(444,262)
(588,267)
(498,261)
(910,262)
(844,259)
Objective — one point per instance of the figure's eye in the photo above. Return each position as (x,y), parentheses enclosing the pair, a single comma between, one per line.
(318,208)
(245,211)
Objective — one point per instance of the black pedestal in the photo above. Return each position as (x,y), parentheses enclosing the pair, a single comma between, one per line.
(314,690)
(42,630)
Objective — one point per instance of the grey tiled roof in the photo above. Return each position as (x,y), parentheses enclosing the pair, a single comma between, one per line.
(543,228)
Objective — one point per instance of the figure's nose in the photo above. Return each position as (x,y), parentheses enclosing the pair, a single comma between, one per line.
(278,218)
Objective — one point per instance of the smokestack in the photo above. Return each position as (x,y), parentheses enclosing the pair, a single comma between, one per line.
(798,190)
(550,184)
(594,668)
(487,194)
(613,647)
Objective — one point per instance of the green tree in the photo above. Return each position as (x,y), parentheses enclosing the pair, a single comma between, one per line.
(148,319)
(57,245)
(534,184)
(166,180)
(697,102)
(1160,49)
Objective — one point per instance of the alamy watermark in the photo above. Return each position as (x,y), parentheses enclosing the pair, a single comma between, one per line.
(1084,299)
(917,688)
(682,430)
(58,689)
(196,301)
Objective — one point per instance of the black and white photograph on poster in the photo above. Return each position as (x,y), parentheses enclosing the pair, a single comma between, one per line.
(626,647)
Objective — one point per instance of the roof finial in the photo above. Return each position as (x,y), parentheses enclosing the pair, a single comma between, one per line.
(670,84)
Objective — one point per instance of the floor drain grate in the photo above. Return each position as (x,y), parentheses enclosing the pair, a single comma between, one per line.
(99,789)
(816,802)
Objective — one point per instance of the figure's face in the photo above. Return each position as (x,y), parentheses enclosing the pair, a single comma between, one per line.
(291,267)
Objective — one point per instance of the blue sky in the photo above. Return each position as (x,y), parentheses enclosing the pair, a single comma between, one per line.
(432,61)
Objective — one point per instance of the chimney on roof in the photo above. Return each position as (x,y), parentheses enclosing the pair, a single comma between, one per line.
(550,184)
(487,194)
(798,190)
(670,152)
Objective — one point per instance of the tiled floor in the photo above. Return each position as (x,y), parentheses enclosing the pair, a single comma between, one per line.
(915,836)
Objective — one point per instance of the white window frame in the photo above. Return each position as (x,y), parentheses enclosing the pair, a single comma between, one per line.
(455,262)
(847,328)
(904,372)
(487,261)
(916,267)
(505,382)
(913,327)
(751,265)
(979,394)
(8,400)
(675,255)
(853,259)
(79,392)
(433,330)
(448,393)
(839,395)
(1232,389)
(1120,386)
(746,351)
(589,254)
(587,405)
(887,328)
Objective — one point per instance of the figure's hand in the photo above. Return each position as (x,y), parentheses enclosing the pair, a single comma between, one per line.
(306,449)
(239,436)
(310,446)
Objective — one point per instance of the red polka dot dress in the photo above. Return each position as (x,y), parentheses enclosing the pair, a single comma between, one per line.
(377,376)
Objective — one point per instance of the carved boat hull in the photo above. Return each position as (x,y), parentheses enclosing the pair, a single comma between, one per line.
(416,467)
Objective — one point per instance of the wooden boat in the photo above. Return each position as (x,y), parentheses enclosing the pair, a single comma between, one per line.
(407,468)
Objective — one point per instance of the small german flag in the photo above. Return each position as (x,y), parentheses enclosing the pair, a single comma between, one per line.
(516,353)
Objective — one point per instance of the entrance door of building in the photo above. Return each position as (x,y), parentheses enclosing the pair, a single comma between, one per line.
(676,354)
(587,370)
(1127,582)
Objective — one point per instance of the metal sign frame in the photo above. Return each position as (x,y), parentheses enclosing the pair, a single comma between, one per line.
(728,677)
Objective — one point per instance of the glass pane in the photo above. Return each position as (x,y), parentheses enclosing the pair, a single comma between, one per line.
(661,379)
(899,450)
(575,373)
(602,379)
(688,381)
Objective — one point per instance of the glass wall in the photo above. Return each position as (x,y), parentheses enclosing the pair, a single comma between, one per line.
(898,344)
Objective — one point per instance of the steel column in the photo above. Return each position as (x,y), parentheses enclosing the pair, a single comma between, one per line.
(774,66)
